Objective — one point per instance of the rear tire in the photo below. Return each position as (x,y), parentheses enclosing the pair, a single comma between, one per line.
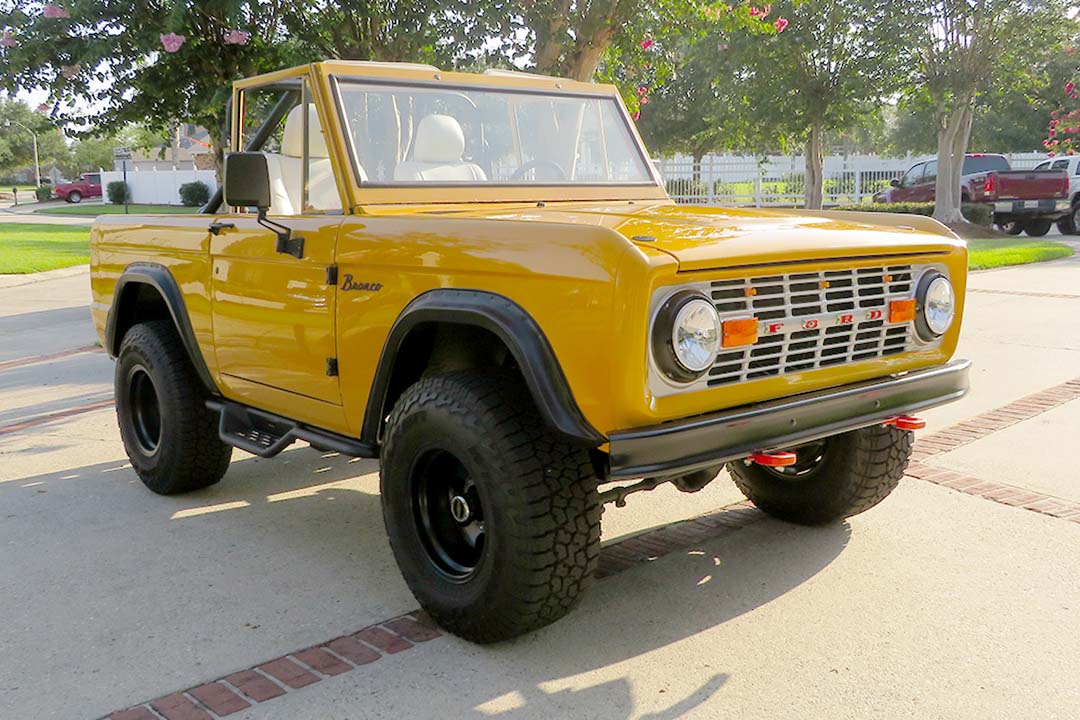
(1070,224)
(493,519)
(170,436)
(1037,228)
(1013,227)
(836,478)
(74,197)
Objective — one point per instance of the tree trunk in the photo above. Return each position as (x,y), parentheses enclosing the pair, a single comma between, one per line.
(815,167)
(953,134)
(696,171)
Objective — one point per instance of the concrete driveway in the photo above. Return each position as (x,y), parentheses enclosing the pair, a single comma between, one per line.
(951,599)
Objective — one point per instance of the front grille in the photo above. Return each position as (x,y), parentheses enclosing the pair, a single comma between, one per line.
(812,320)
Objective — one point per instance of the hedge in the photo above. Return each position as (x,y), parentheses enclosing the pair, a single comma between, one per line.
(977,214)
(118,192)
(194,194)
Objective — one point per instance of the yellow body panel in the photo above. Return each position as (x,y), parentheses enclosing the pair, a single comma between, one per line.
(584,263)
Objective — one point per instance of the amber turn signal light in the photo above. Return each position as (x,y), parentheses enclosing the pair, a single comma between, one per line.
(902,310)
(905,422)
(739,332)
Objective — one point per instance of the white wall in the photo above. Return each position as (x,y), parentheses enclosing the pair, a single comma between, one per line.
(158,187)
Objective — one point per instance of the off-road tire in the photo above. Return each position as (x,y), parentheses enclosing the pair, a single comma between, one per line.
(538,496)
(1037,228)
(189,455)
(74,197)
(857,471)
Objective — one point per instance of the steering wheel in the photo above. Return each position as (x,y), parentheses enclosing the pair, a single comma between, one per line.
(519,174)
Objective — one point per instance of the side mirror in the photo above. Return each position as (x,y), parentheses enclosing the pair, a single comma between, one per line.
(247,184)
(894,182)
(247,180)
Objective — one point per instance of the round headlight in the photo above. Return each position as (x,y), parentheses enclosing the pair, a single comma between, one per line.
(686,336)
(696,335)
(937,306)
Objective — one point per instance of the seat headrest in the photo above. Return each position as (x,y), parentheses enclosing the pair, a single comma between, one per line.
(292,141)
(439,139)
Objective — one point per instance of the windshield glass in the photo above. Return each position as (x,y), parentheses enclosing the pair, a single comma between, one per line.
(402,135)
(984,163)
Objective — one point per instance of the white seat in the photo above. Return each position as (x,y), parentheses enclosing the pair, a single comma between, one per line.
(437,154)
(286,169)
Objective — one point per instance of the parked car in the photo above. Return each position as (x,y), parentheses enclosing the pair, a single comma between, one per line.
(89,185)
(480,280)
(1023,200)
(1070,223)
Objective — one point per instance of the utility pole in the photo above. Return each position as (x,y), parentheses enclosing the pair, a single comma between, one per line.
(37,167)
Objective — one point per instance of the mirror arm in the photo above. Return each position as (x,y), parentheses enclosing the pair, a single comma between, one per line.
(286,243)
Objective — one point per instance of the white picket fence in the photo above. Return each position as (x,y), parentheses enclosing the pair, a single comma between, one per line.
(780,180)
(159,187)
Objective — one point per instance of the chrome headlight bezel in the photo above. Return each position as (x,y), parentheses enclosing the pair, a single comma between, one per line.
(665,339)
(928,301)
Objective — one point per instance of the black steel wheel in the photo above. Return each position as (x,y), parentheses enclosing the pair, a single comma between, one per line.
(493,519)
(449,513)
(170,436)
(832,479)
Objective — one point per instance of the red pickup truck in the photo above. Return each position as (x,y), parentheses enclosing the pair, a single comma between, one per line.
(89,185)
(1023,200)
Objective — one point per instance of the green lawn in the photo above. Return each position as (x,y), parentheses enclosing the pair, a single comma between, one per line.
(26,248)
(985,254)
(98,209)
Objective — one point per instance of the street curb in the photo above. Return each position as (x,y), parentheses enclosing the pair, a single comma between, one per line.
(9,281)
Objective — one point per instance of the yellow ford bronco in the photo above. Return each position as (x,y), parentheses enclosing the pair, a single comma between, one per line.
(479,280)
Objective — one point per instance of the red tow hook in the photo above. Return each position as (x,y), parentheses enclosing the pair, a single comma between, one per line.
(905,422)
(775,459)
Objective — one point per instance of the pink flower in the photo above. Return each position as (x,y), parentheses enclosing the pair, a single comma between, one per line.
(637,114)
(55,11)
(1050,154)
(1053,123)
(755,12)
(647,43)
(642,90)
(781,25)
(172,42)
(1069,87)
(70,71)
(237,37)
(644,100)
(43,108)
(8,40)
(1053,132)
(1046,143)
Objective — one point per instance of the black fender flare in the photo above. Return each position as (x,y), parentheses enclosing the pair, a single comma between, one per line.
(158,277)
(515,328)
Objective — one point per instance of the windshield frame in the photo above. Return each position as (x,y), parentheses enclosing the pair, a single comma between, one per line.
(441,192)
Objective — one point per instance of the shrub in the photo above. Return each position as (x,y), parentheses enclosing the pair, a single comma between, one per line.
(194,194)
(118,192)
(43,193)
(977,214)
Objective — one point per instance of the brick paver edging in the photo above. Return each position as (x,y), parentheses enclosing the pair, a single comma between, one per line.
(266,681)
(982,426)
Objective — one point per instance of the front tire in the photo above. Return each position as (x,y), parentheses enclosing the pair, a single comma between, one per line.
(833,479)
(1037,228)
(493,519)
(170,436)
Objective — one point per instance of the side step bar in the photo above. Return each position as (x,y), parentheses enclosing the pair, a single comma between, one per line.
(265,434)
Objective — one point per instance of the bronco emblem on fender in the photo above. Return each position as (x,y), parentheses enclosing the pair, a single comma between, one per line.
(349,284)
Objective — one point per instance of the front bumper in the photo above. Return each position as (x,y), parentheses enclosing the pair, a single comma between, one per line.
(683,446)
